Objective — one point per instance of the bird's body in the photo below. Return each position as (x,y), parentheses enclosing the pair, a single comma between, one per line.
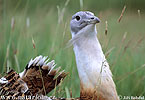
(95,76)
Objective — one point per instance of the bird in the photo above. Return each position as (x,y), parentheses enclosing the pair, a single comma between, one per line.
(96,82)
(39,76)
(37,79)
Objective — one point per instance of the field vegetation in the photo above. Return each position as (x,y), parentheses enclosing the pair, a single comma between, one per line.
(29,28)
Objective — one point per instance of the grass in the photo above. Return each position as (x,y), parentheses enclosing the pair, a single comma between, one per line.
(49,35)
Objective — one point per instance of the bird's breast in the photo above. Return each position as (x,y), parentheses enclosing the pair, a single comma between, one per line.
(89,57)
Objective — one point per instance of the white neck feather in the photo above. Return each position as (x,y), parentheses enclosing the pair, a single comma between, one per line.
(89,56)
(92,66)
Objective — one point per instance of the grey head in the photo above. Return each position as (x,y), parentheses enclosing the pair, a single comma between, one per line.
(82,19)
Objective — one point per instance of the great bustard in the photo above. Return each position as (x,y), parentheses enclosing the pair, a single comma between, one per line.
(39,77)
(95,75)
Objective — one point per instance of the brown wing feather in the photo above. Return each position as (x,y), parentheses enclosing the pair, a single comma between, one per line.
(14,87)
(39,77)
(40,81)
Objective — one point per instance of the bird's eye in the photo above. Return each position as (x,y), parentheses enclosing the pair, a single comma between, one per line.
(77,18)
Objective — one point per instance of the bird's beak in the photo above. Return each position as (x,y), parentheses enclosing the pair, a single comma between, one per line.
(97,19)
(94,20)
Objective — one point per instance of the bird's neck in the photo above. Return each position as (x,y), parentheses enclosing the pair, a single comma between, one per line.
(89,60)
(93,68)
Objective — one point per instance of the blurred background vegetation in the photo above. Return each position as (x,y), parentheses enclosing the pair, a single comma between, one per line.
(29,28)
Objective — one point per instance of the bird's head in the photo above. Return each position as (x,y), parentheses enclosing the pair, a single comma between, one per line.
(83,20)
